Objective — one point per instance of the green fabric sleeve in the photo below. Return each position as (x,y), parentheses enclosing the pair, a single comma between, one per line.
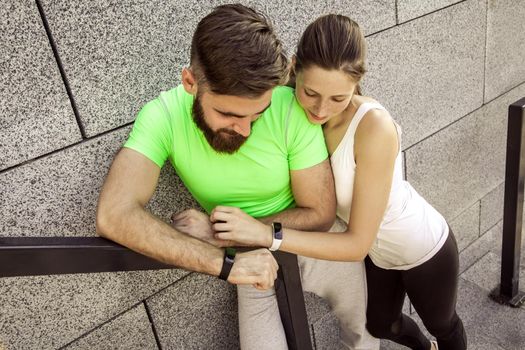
(152,134)
(305,141)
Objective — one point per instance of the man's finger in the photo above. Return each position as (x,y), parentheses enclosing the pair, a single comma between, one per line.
(178,216)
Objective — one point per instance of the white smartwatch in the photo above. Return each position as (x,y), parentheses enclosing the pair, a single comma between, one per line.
(277,239)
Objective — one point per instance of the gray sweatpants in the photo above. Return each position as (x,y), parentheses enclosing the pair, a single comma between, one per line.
(341,284)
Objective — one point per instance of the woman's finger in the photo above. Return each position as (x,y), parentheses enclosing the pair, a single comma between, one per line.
(224,209)
(225,235)
(222,226)
(220,216)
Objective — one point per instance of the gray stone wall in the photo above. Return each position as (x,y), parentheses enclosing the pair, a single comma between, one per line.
(74,74)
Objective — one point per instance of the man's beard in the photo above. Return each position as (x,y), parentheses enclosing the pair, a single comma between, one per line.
(223,140)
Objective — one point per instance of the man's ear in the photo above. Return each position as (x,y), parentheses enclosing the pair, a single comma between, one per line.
(189,81)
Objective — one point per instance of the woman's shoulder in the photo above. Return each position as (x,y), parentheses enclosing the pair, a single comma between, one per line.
(360,99)
(373,116)
(375,123)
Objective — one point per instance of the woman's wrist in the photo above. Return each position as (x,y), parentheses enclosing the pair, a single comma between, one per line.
(267,235)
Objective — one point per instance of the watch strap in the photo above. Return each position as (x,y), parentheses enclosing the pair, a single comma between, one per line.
(227,263)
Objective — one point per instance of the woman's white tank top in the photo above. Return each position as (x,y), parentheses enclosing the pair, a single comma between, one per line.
(411,231)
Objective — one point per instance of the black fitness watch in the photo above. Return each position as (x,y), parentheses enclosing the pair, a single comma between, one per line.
(227,264)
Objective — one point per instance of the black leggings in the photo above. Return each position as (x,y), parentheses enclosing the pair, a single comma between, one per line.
(432,289)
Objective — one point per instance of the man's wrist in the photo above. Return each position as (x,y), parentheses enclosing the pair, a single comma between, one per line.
(227,264)
(217,263)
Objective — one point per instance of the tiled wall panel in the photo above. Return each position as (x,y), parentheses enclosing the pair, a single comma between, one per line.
(492,208)
(57,195)
(505,63)
(35,112)
(429,72)
(410,9)
(47,312)
(131,331)
(466,160)
(199,312)
(119,55)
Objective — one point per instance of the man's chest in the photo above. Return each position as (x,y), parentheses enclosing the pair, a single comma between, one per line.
(257,174)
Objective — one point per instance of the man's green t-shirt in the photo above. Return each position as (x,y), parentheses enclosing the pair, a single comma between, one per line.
(256,178)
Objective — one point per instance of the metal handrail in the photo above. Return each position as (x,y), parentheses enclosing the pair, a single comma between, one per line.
(29,256)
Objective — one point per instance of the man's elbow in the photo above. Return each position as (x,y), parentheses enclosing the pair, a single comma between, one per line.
(102,224)
(107,221)
(326,219)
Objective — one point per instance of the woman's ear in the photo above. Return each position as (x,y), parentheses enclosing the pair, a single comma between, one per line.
(189,81)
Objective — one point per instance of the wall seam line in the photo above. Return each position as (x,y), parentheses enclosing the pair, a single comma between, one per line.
(152,324)
(397,12)
(28,161)
(63,347)
(485,58)
(61,68)
(431,12)
(466,115)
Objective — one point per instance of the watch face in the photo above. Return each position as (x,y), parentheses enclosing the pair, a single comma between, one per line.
(277,230)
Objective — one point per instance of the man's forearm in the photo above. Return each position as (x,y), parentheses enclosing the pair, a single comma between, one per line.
(305,219)
(141,231)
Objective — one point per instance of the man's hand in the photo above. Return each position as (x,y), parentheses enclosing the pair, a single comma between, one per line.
(197,224)
(256,267)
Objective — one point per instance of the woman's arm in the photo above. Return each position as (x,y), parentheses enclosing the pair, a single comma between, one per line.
(375,149)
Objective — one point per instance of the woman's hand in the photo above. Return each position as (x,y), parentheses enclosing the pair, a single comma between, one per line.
(233,224)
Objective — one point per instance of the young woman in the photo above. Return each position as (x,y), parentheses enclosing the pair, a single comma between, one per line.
(407,245)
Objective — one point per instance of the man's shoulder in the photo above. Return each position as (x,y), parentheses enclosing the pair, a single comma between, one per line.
(168,104)
(282,94)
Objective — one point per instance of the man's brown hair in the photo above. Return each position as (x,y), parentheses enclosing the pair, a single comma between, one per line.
(234,51)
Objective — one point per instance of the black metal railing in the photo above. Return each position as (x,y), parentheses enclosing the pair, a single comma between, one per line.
(508,291)
(29,256)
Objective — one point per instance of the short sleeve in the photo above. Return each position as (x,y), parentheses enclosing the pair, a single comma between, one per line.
(152,133)
(305,141)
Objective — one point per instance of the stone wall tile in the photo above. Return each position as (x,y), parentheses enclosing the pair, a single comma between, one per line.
(409,9)
(129,331)
(199,312)
(57,195)
(35,112)
(429,72)
(118,56)
(489,241)
(466,226)
(505,66)
(463,162)
(492,208)
(47,312)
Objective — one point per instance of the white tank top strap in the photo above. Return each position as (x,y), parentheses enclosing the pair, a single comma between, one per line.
(359,114)
(361,111)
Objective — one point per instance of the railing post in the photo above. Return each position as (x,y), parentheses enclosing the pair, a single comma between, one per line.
(508,291)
